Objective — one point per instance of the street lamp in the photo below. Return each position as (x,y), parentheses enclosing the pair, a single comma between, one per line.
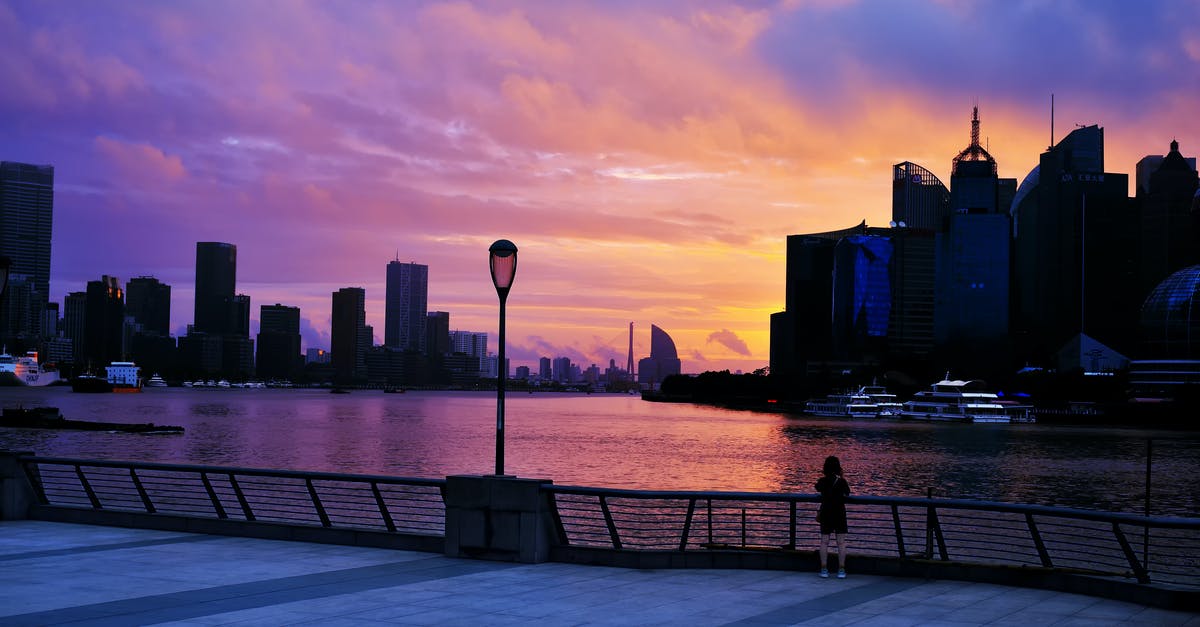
(502,259)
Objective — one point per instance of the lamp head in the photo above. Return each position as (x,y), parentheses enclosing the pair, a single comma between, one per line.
(502,259)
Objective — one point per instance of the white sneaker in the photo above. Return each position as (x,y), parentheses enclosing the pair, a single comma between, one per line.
(824,573)
(841,574)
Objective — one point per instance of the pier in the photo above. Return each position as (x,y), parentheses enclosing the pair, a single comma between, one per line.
(108,542)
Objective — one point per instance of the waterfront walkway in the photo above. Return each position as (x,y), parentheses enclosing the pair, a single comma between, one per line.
(55,573)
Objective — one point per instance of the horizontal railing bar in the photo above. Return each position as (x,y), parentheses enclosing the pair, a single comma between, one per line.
(259,472)
(940,504)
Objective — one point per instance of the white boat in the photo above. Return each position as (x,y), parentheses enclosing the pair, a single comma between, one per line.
(869,401)
(155,382)
(835,405)
(874,401)
(957,401)
(25,370)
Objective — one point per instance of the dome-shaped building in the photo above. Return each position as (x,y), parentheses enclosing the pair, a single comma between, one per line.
(1170,318)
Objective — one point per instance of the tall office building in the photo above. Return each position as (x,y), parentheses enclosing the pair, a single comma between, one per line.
(919,199)
(26,219)
(74,310)
(347,334)
(216,282)
(148,301)
(1075,251)
(218,343)
(469,342)
(1170,231)
(972,269)
(800,335)
(405,306)
(544,368)
(104,324)
(278,347)
(437,333)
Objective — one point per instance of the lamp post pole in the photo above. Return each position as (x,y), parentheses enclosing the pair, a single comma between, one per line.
(502,260)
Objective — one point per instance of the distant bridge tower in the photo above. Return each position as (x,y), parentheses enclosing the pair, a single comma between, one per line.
(629,364)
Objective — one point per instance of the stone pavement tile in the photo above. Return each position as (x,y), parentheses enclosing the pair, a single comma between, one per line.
(1030,616)
(453,617)
(1109,610)
(1079,621)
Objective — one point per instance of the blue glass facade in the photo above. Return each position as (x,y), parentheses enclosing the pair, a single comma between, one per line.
(862,298)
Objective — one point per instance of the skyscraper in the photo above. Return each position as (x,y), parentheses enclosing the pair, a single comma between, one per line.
(104,322)
(1169,229)
(148,301)
(919,199)
(405,306)
(219,340)
(216,281)
(1075,249)
(972,291)
(346,335)
(437,333)
(278,344)
(26,217)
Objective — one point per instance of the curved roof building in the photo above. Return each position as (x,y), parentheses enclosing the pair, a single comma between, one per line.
(919,199)
(1170,319)
(663,360)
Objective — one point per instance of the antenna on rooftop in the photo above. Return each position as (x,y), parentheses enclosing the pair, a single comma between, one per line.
(1051,120)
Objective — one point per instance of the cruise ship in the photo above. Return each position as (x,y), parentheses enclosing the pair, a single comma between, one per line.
(25,370)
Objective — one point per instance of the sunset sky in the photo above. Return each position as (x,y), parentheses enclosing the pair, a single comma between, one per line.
(648,158)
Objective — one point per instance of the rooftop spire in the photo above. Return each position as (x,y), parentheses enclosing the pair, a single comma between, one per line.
(975,125)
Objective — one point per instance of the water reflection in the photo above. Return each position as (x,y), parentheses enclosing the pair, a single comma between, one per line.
(620,441)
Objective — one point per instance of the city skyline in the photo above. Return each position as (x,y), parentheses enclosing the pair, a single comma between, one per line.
(648,161)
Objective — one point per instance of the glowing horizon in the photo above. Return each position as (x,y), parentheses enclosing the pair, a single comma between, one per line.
(648,160)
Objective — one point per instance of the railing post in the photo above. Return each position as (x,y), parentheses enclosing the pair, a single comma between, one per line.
(1139,571)
(383,510)
(212,496)
(791,545)
(687,524)
(316,501)
(237,489)
(137,483)
(559,528)
(743,527)
(87,487)
(608,520)
(899,531)
(710,527)
(1037,541)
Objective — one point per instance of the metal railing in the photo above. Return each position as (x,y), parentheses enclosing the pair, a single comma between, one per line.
(1145,549)
(329,500)
(1156,550)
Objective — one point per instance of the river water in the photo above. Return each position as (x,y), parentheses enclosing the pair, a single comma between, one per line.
(621,441)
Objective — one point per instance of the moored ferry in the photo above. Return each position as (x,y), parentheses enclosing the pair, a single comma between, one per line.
(869,401)
(25,370)
(962,401)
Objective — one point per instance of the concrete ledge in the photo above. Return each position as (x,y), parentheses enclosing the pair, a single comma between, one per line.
(782,559)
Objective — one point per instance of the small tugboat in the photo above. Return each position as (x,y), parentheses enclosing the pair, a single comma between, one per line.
(90,384)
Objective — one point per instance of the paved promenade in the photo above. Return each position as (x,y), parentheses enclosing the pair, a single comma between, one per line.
(54,574)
